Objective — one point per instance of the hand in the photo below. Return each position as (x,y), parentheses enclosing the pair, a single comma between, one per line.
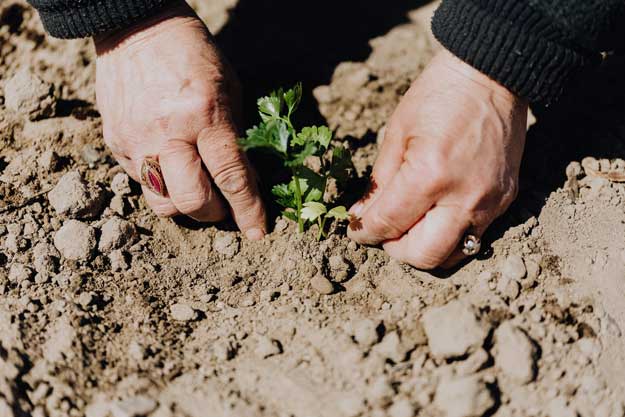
(449,163)
(164,91)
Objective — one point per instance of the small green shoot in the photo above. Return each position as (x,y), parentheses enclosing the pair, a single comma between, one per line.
(303,196)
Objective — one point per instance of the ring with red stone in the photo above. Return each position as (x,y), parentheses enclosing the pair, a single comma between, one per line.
(152,177)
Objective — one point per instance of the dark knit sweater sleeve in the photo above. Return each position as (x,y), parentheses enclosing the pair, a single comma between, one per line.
(83,18)
(532,47)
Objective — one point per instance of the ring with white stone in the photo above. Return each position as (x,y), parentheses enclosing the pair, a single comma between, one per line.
(471,245)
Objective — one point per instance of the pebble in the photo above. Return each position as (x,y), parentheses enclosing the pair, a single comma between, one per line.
(30,96)
(463,397)
(392,348)
(474,363)
(15,243)
(366,332)
(48,161)
(73,197)
(401,408)
(85,299)
(508,288)
(513,268)
(118,261)
(515,353)
(267,347)
(182,312)
(120,184)
(339,268)
(380,392)
(226,244)
(115,234)
(138,406)
(75,240)
(19,273)
(45,257)
(321,284)
(118,205)
(453,330)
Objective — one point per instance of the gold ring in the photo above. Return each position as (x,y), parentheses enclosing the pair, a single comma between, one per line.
(471,245)
(152,177)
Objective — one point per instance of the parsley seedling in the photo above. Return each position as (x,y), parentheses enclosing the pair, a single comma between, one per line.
(303,196)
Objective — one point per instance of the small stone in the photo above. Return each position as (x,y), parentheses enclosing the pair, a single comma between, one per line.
(90,154)
(15,243)
(30,96)
(474,363)
(138,406)
(72,197)
(533,271)
(513,268)
(590,164)
(19,273)
(267,347)
(366,332)
(573,169)
(182,312)
(85,299)
(508,288)
(453,330)
(380,392)
(401,408)
(136,352)
(75,240)
(392,348)
(339,268)
(463,397)
(120,185)
(45,257)
(226,244)
(321,284)
(116,233)
(48,161)
(281,225)
(118,261)
(118,205)
(515,353)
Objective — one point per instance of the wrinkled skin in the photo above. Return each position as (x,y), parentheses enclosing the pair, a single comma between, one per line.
(164,91)
(449,163)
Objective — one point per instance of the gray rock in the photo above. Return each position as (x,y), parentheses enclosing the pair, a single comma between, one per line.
(30,96)
(453,330)
(182,312)
(19,273)
(463,397)
(73,197)
(138,406)
(116,233)
(226,244)
(120,185)
(45,257)
(321,284)
(513,268)
(75,240)
(366,333)
(515,353)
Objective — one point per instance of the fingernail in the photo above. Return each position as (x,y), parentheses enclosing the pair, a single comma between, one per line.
(356,209)
(255,234)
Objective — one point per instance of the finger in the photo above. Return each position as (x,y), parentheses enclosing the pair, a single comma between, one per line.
(187,182)
(161,206)
(386,165)
(432,240)
(230,171)
(398,207)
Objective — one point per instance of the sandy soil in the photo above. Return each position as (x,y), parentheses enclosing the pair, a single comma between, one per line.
(107,310)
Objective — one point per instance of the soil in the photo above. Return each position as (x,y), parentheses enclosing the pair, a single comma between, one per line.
(106,309)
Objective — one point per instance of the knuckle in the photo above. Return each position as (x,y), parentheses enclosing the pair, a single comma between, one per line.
(164,210)
(232,178)
(190,203)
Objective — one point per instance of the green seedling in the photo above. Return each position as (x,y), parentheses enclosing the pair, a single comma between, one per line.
(303,196)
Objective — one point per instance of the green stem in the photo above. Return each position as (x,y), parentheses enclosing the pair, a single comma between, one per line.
(298,199)
(322,226)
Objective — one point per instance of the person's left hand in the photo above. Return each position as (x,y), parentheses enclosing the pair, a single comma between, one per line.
(448,166)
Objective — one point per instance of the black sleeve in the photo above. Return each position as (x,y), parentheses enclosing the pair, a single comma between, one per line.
(82,18)
(532,47)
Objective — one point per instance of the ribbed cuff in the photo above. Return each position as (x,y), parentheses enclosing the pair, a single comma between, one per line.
(80,19)
(509,42)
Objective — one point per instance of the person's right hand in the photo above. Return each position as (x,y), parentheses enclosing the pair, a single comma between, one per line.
(165,92)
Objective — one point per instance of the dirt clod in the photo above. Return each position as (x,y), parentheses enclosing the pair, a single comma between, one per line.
(75,240)
(115,234)
(515,353)
(182,312)
(463,397)
(321,284)
(74,198)
(29,96)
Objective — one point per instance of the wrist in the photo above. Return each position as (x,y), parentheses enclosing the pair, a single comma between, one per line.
(175,12)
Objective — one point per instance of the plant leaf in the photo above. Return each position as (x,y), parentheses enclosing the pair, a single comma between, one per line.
(316,184)
(270,106)
(273,135)
(284,195)
(342,165)
(289,214)
(339,213)
(321,135)
(293,97)
(298,159)
(313,210)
